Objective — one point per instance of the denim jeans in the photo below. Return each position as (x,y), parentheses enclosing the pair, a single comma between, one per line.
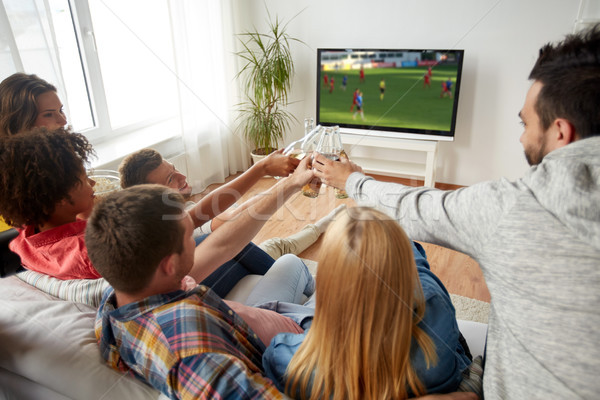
(288,280)
(251,260)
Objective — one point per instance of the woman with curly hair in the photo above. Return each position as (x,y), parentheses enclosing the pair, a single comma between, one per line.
(43,187)
(386,330)
(43,190)
(27,101)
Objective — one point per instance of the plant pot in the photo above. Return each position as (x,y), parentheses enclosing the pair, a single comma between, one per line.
(255,156)
(266,73)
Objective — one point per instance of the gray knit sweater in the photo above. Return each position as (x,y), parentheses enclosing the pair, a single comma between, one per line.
(537,241)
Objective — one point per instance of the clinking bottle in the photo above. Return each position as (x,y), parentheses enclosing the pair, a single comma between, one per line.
(337,137)
(312,188)
(300,147)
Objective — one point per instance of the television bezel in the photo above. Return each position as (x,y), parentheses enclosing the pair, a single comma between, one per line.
(389,131)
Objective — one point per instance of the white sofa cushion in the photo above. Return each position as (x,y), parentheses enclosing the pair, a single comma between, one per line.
(475,334)
(51,342)
(50,345)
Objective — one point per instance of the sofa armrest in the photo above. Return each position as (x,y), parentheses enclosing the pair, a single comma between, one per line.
(242,289)
(475,334)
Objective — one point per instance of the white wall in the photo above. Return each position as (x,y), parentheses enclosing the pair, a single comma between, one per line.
(501,39)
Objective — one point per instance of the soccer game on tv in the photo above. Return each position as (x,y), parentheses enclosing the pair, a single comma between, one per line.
(414,91)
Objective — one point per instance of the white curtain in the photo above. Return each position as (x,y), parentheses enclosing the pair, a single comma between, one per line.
(27,42)
(204,40)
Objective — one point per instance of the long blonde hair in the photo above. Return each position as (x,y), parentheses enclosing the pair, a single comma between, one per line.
(369,302)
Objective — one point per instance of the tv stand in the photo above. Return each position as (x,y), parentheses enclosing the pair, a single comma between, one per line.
(352,143)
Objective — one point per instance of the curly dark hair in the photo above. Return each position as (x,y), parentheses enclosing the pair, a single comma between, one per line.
(38,169)
(18,102)
(570,74)
(135,167)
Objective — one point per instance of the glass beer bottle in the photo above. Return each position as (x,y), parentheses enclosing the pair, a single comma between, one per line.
(337,138)
(312,188)
(297,149)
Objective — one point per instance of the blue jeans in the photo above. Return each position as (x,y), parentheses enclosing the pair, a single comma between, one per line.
(251,260)
(288,280)
(303,314)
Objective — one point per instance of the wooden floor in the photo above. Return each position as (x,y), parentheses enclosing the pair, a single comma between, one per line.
(458,272)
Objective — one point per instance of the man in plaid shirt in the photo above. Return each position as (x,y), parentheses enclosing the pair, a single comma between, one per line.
(187,344)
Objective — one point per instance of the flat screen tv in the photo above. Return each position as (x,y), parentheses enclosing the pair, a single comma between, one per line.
(402,93)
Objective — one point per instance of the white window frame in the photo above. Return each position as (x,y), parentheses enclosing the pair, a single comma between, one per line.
(91,70)
(103,130)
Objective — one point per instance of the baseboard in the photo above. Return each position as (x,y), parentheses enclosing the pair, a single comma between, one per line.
(414,182)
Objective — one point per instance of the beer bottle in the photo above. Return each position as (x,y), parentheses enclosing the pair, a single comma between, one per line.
(337,137)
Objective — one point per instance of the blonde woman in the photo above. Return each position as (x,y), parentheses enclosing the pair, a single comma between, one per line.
(384,326)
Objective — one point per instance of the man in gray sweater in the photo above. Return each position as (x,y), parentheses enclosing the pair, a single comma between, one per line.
(537,239)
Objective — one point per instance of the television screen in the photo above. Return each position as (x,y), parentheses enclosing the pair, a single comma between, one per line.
(392,93)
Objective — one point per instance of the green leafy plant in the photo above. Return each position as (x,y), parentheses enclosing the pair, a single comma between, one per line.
(267,76)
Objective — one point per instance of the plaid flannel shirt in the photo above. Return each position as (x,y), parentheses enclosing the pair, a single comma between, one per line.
(187,345)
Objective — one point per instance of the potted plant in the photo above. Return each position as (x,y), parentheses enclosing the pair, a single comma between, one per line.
(266,75)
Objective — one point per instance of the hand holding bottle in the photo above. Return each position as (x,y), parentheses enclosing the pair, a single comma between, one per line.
(334,173)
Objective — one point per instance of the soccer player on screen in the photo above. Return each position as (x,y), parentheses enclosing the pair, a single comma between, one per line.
(359,106)
(427,80)
(449,86)
(354,96)
(446,89)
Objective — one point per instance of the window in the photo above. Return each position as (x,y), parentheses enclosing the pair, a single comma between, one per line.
(77,95)
(112,60)
(143,88)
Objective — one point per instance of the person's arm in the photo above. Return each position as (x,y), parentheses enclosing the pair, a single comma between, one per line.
(224,243)
(265,323)
(334,173)
(462,219)
(232,213)
(217,201)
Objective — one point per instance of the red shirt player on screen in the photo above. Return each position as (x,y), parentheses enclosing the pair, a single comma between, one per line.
(361,75)
(326,80)
(445,90)
(354,102)
(448,88)
(427,80)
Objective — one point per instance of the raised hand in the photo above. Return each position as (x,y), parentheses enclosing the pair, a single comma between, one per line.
(334,173)
(278,164)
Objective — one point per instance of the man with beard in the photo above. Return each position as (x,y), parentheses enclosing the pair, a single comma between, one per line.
(537,239)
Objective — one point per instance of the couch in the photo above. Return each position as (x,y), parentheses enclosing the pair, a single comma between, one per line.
(48,349)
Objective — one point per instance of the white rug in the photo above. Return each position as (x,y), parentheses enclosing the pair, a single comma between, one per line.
(470,309)
(466,308)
